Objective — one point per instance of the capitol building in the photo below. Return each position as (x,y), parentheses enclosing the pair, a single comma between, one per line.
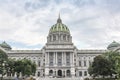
(59,57)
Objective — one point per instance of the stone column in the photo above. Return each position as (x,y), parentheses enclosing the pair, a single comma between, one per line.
(54,62)
(56,59)
(70,59)
(73,59)
(62,59)
(65,73)
(48,59)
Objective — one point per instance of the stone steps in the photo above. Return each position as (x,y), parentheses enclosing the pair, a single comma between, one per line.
(59,79)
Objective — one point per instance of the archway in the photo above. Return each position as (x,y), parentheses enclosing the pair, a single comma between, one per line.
(51,73)
(68,73)
(60,73)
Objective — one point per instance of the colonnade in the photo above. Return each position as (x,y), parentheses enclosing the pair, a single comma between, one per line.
(55,58)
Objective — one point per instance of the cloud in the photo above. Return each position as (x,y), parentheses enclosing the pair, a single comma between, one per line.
(26,23)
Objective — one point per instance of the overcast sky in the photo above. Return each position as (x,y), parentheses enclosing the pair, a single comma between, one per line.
(25,24)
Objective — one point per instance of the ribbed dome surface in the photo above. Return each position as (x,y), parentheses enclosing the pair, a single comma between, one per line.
(5,45)
(59,26)
(113,44)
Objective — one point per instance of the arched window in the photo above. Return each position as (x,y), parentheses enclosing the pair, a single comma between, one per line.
(51,72)
(50,38)
(64,37)
(90,63)
(54,37)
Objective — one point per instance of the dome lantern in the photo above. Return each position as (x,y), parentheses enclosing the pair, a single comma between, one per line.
(59,19)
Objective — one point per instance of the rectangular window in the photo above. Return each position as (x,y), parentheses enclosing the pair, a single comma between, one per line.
(80,63)
(85,73)
(39,63)
(84,63)
(80,73)
(90,63)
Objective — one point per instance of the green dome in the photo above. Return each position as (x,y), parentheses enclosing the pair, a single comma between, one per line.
(113,44)
(59,27)
(5,45)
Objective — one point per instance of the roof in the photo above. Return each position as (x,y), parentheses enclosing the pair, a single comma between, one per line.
(59,26)
(113,44)
(25,51)
(5,45)
(92,51)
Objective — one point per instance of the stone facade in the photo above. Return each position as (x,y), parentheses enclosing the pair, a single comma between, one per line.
(59,57)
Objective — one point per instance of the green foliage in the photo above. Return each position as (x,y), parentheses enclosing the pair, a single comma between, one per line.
(3,55)
(103,79)
(107,64)
(114,57)
(3,61)
(100,67)
(26,67)
(11,67)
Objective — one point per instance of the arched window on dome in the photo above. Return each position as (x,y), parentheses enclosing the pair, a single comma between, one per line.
(54,37)
(64,37)
(50,38)
(68,38)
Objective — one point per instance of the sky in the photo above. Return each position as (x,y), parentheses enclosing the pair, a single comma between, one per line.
(93,24)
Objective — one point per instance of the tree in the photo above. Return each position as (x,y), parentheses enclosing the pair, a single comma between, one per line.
(114,57)
(11,67)
(3,60)
(18,67)
(25,66)
(100,67)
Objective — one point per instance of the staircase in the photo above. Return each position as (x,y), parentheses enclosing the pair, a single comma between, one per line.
(59,79)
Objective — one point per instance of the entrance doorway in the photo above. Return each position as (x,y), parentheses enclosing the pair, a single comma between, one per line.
(51,73)
(59,73)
